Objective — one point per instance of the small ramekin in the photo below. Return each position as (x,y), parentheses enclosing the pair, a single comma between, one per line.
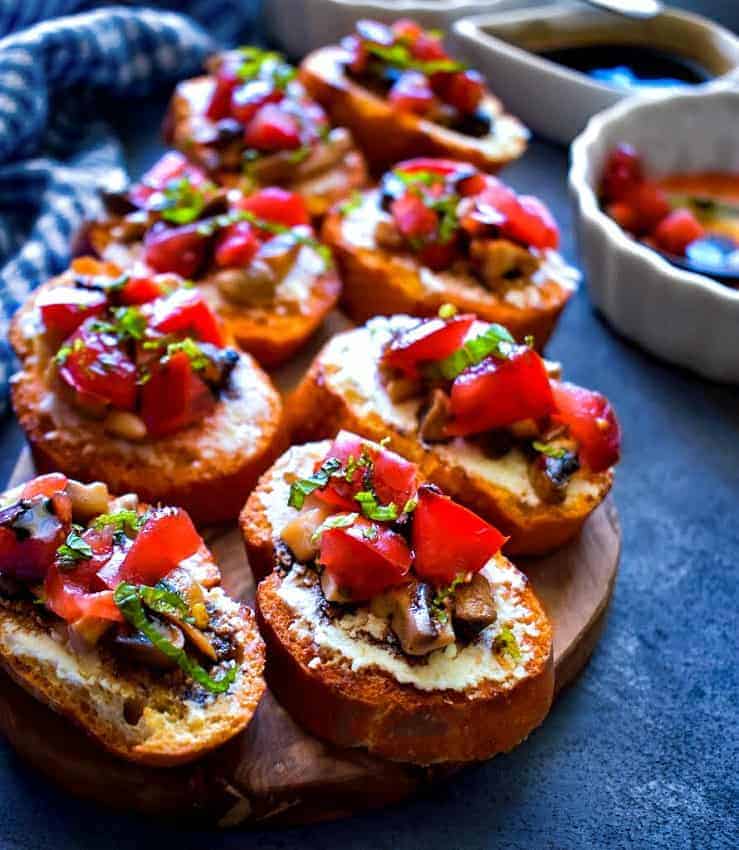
(686,318)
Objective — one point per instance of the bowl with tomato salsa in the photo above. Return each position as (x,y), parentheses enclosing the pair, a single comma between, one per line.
(655,186)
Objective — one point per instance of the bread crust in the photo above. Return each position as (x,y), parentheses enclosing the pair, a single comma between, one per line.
(370,708)
(207,468)
(377,282)
(320,190)
(387,136)
(139,715)
(318,410)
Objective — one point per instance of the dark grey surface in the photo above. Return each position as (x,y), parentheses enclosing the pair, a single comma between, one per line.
(642,750)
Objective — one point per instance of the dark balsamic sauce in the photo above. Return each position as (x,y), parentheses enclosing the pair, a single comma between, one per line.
(629,66)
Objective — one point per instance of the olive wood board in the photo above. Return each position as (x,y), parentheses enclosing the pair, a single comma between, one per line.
(274,772)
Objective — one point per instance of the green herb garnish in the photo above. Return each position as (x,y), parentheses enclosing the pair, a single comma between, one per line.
(400,57)
(60,358)
(74,550)
(164,599)
(496,341)
(447,311)
(188,346)
(353,203)
(549,451)
(125,521)
(128,323)
(444,594)
(129,599)
(335,521)
(181,202)
(372,509)
(305,486)
(505,641)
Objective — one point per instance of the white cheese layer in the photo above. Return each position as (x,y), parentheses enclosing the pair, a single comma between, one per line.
(359,639)
(350,363)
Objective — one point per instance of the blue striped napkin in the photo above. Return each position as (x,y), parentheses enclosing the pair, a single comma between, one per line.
(56,58)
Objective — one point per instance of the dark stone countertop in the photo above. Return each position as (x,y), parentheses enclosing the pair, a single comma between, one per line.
(642,750)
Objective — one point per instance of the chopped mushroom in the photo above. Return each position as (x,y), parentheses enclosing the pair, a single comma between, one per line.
(298,533)
(474,606)
(252,284)
(139,649)
(413,620)
(388,236)
(401,389)
(550,476)
(432,427)
(500,260)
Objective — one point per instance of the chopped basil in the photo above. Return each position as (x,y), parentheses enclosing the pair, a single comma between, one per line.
(335,521)
(74,550)
(128,323)
(299,154)
(446,208)
(189,347)
(125,521)
(165,600)
(444,594)
(305,486)
(549,451)
(496,341)
(60,358)
(410,505)
(255,61)
(505,641)
(447,311)
(128,598)
(400,57)
(181,202)
(370,532)
(372,509)
(425,178)
(353,203)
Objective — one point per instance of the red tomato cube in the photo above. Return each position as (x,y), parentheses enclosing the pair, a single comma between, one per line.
(64,308)
(430,340)
(591,421)
(272,129)
(677,230)
(412,92)
(236,245)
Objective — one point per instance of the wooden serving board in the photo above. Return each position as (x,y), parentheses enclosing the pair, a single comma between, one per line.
(274,772)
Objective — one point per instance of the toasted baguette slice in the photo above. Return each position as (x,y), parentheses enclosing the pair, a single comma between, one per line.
(387,136)
(343,389)
(378,282)
(330,175)
(140,714)
(207,468)
(272,330)
(357,690)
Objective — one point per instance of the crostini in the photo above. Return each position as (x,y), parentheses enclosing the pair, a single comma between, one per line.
(249,122)
(438,232)
(254,258)
(392,621)
(127,380)
(111,613)
(400,94)
(485,418)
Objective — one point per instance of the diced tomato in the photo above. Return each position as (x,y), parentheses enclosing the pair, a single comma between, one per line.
(650,205)
(247,99)
(175,249)
(365,558)
(393,478)
(30,533)
(98,368)
(412,92)
(219,104)
(272,129)
(414,219)
(677,230)
(624,215)
(172,166)
(439,255)
(276,205)
(622,173)
(464,90)
(406,29)
(236,245)
(357,53)
(77,591)
(591,421)
(54,487)
(449,539)
(174,397)
(164,541)
(433,339)
(496,393)
(141,290)
(428,48)
(186,312)
(64,308)
(531,224)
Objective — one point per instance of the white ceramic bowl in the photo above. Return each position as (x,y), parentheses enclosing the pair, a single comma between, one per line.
(554,101)
(300,26)
(686,318)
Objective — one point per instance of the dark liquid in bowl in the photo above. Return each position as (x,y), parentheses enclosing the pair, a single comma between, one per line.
(628,66)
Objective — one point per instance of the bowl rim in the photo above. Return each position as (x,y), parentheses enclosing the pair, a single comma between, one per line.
(473,28)
(587,201)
